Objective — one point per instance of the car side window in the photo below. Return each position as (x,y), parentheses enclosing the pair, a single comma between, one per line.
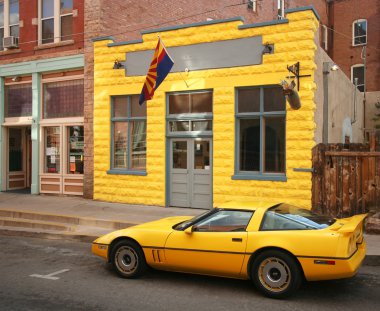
(274,221)
(224,221)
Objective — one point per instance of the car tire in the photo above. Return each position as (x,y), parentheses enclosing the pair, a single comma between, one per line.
(276,274)
(128,259)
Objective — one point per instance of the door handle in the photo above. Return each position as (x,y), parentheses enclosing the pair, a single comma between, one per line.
(237,240)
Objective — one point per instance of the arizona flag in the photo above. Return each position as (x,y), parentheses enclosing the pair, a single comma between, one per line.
(159,68)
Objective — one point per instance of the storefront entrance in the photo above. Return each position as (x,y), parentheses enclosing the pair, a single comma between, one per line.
(19,155)
(191,172)
(62,159)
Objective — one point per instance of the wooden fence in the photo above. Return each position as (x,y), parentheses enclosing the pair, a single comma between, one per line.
(346,179)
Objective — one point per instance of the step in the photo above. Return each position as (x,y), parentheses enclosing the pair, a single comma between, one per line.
(65,219)
(33,224)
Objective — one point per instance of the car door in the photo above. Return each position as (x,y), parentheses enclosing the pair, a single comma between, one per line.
(215,245)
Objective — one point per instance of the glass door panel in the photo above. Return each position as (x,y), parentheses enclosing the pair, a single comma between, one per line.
(75,149)
(202,155)
(15,150)
(52,156)
(180,154)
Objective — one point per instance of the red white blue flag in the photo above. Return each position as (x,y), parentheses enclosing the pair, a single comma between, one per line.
(159,68)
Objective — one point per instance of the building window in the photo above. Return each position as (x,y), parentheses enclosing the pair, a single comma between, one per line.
(252,4)
(359,32)
(128,134)
(260,136)
(18,100)
(324,38)
(357,76)
(63,99)
(280,9)
(56,20)
(190,112)
(52,149)
(9,20)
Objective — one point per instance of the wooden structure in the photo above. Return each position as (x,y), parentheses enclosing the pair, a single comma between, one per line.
(346,179)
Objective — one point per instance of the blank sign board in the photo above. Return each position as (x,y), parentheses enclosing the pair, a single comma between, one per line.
(212,55)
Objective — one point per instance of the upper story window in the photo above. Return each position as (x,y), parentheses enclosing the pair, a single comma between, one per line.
(324,38)
(9,20)
(359,32)
(357,76)
(280,9)
(56,21)
(260,136)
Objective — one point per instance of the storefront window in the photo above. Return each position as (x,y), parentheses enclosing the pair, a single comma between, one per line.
(129,133)
(261,132)
(52,149)
(75,149)
(63,99)
(18,100)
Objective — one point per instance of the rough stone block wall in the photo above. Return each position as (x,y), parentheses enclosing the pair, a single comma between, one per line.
(293,41)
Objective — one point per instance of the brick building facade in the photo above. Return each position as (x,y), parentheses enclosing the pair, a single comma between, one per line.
(41,96)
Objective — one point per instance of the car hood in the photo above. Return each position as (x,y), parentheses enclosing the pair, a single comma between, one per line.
(150,233)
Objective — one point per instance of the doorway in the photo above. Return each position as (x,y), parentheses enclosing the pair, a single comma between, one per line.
(191,172)
(19,158)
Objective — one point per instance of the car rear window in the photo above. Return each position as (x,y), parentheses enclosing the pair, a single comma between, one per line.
(289,217)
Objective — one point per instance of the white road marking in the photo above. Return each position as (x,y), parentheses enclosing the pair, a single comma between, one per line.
(49,276)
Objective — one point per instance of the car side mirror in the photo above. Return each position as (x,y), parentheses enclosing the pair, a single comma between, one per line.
(189,230)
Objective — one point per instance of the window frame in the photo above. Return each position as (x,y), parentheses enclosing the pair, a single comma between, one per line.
(57,38)
(261,174)
(353,32)
(129,118)
(352,76)
(7,26)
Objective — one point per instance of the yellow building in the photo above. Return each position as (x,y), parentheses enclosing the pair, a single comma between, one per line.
(219,127)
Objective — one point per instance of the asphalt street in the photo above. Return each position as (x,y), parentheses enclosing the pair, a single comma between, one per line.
(37,274)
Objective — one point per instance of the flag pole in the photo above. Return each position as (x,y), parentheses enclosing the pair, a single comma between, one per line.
(159,38)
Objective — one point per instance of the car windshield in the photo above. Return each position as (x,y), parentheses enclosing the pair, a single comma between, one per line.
(288,217)
(185,224)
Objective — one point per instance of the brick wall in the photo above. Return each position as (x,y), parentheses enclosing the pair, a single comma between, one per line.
(28,40)
(347,55)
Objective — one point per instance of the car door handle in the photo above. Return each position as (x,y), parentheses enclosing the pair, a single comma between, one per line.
(237,240)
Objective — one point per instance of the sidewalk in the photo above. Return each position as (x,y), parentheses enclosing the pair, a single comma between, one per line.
(82,219)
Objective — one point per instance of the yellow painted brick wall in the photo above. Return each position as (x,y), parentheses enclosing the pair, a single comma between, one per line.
(294,41)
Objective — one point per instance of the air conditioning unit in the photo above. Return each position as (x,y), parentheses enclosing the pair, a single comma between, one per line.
(10,42)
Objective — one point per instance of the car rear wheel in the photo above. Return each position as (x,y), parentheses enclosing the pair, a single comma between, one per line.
(128,259)
(276,274)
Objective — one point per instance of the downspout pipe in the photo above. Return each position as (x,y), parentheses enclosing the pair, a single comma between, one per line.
(325,128)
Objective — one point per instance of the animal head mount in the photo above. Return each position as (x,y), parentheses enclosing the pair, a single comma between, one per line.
(291,94)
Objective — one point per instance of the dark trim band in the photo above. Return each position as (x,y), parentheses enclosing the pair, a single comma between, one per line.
(196,250)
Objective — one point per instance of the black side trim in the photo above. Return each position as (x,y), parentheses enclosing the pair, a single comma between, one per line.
(196,250)
(334,258)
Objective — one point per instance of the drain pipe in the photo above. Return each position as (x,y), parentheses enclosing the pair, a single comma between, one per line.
(355,89)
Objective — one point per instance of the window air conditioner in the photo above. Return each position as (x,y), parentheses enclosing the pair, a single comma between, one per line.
(10,42)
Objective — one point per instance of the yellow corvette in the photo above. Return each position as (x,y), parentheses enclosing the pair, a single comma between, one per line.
(274,245)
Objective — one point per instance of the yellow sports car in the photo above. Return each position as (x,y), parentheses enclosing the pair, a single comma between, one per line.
(274,245)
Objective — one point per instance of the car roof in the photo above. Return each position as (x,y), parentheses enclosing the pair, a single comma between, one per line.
(249,205)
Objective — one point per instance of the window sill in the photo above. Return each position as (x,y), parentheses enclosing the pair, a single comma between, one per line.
(10,52)
(359,45)
(259,177)
(126,172)
(53,45)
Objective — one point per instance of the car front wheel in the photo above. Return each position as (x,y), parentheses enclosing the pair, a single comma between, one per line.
(276,274)
(128,259)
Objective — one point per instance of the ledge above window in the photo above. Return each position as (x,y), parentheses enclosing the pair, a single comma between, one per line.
(264,177)
(126,172)
(53,45)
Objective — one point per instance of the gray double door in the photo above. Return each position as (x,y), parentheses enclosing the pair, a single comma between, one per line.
(191,172)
